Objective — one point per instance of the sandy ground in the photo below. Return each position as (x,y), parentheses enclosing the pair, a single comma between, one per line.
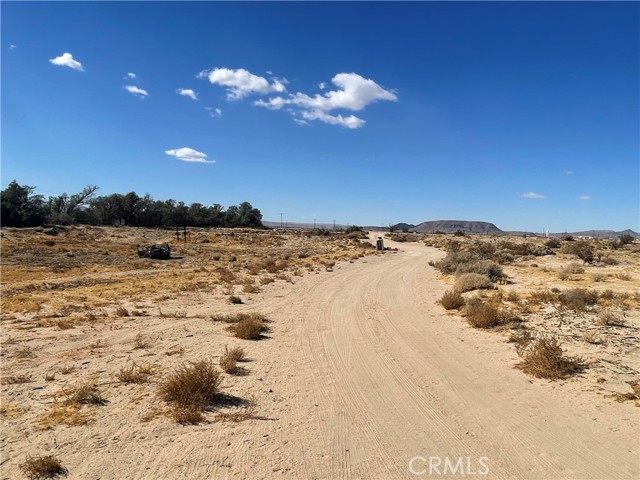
(363,376)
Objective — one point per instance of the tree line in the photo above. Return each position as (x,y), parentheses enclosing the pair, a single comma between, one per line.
(21,207)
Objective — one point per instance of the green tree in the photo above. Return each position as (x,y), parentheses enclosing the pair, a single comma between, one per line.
(20,207)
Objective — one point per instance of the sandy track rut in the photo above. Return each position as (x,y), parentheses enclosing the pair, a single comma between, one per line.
(377,374)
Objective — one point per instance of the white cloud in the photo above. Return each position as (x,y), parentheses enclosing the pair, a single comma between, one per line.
(354,93)
(322,85)
(241,83)
(533,196)
(189,155)
(569,172)
(136,91)
(66,60)
(214,112)
(584,197)
(349,122)
(187,92)
(12,47)
(131,75)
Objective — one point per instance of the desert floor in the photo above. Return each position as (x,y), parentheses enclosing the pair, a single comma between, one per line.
(363,375)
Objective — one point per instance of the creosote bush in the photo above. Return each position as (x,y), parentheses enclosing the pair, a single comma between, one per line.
(452,300)
(544,359)
(466,282)
(36,468)
(578,299)
(484,267)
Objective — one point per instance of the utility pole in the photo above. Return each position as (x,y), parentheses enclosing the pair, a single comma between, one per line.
(334,225)
(314,223)
(281,220)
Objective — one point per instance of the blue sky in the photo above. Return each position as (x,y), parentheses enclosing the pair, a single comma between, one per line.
(521,114)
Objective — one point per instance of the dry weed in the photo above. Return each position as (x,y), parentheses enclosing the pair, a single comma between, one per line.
(229,359)
(544,359)
(452,300)
(36,468)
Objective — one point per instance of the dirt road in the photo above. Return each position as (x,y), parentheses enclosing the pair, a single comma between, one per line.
(377,379)
(364,376)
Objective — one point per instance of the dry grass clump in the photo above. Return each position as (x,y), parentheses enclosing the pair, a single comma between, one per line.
(466,282)
(607,317)
(36,468)
(140,343)
(537,297)
(591,337)
(634,394)
(572,269)
(544,359)
(229,359)
(191,389)
(249,328)
(135,374)
(121,311)
(237,416)
(578,299)
(486,315)
(86,393)
(250,288)
(624,276)
(598,277)
(452,300)
(233,299)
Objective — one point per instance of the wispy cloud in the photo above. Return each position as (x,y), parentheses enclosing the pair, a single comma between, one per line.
(214,112)
(569,172)
(139,92)
(534,196)
(131,75)
(66,60)
(12,47)
(187,92)
(584,197)
(241,83)
(187,154)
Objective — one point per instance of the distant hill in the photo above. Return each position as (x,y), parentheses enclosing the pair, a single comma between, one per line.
(452,226)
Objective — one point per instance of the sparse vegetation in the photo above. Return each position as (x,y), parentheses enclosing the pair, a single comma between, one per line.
(452,300)
(466,282)
(134,374)
(234,300)
(191,389)
(545,359)
(45,467)
(482,315)
(229,359)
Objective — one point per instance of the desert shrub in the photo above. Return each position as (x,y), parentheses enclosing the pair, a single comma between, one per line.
(36,468)
(484,267)
(607,317)
(567,238)
(625,239)
(250,328)
(482,315)
(449,264)
(140,343)
(623,276)
(250,288)
(553,243)
(574,268)
(15,379)
(471,281)
(122,311)
(234,299)
(452,300)
(544,359)
(598,277)
(191,387)
(459,233)
(581,249)
(229,359)
(86,393)
(578,299)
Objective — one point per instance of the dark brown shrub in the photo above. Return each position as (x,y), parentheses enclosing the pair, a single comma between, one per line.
(545,359)
(36,468)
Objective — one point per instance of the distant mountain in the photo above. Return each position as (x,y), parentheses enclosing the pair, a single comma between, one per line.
(452,226)
(401,227)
